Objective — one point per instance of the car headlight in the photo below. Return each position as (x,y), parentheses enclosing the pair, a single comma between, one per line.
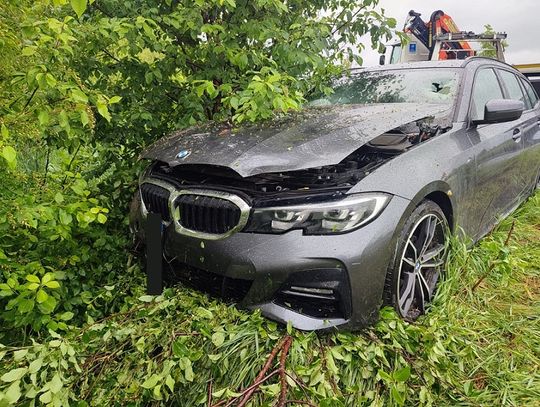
(320,218)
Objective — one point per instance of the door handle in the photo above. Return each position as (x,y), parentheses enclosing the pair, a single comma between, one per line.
(516,135)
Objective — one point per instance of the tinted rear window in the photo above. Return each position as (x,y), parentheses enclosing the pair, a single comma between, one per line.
(536,84)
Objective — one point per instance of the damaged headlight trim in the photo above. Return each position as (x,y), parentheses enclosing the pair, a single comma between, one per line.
(325,218)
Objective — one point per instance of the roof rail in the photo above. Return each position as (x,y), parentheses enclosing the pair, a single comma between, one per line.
(464,35)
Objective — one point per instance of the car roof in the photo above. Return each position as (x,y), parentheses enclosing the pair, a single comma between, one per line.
(452,63)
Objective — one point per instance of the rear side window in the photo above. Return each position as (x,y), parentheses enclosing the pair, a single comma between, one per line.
(528,102)
(512,85)
(486,88)
(536,85)
(530,91)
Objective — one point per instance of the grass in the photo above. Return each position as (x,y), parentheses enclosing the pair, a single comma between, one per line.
(478,346)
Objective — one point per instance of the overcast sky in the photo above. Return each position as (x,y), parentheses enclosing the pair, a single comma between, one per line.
(520,19)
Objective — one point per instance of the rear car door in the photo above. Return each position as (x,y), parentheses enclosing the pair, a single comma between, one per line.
(531,137)
(497,151)
(529,124)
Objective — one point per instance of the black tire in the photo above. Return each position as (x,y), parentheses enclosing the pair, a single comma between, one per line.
(413,274)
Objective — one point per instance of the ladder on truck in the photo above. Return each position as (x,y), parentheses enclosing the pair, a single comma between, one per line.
(445,45)
(440,39)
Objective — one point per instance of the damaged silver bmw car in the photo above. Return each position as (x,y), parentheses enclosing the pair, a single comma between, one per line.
(321,217)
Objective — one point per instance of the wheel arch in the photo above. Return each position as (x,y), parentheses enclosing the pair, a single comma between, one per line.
(440,193)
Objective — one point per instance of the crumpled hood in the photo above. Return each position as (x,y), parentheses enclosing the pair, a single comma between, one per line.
(315,137)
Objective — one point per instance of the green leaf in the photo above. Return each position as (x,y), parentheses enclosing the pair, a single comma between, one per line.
(151,382)
(33,278)
(43,117)
(103,110)
(66,316)
(169,381)
(20,354)
(52,284)
(25,306)
(385,376)
(13,393)
(218,338)
(35,365)
(10,155)
(188,373)
(65,218)
(84,118)
(28,51)
(63,119)
(50,80)
(59,198)
(47,277)
(49,305)
(219,393)
(32,286)
(398,397)
(13,375)
(79,96)
(55,385)
(46,397)
(55,343)
(403,374)
(79,6)
(115,99)
(101,218)
(41,296)
(4,131)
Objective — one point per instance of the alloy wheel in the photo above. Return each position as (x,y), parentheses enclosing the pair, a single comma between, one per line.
(421,265)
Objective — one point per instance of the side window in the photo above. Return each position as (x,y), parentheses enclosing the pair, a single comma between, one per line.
(530,91)
(512,85)
(536,85)
(528,103)
(486,88)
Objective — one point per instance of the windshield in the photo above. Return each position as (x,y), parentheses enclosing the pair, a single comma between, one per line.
(437,86)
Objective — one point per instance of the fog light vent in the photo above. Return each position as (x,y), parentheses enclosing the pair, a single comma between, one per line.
(322,293)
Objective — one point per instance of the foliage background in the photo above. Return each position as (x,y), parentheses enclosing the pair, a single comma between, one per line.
(84,86)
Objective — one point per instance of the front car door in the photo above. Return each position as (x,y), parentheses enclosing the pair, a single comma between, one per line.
(497,152)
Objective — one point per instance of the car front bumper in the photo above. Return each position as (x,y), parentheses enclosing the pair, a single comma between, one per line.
(292,277)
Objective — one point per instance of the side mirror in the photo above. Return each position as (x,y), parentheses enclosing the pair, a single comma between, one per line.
(382,59)
(501,111)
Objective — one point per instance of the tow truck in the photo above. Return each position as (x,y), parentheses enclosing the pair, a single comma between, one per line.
(440,39)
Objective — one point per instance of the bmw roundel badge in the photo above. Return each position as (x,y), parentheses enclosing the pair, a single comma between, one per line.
(182,154)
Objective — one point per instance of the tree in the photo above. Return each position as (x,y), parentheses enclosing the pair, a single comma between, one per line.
(488,49)
(175,63)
